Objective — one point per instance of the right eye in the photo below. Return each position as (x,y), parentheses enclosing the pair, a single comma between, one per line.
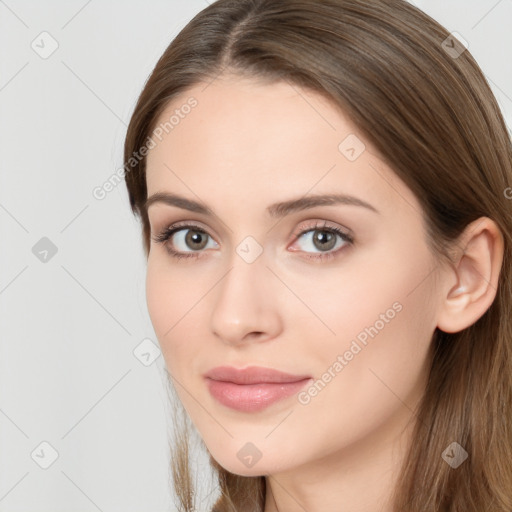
(184,235)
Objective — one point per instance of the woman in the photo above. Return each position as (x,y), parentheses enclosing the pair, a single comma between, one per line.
(324,190)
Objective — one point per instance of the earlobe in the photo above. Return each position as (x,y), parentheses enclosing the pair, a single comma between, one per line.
(471,285)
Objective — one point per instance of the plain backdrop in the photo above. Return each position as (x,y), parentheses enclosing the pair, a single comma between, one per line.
(83,406)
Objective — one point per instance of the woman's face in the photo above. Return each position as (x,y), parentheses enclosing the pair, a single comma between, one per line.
(277,286)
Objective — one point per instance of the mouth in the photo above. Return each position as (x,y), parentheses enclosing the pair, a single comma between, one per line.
(254,388)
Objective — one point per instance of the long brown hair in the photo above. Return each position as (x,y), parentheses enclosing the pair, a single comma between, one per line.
(424,103)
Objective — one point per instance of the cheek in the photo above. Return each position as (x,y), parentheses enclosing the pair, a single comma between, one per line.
(167,305)
(386,288)
(384,321)
(159,301)
(380,311)
(178,304)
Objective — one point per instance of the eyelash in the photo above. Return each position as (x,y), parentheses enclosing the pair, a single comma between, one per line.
(167,232)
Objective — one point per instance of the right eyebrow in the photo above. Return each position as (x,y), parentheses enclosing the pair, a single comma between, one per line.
(178,201)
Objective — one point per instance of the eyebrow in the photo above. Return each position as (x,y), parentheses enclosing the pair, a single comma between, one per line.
(275,210)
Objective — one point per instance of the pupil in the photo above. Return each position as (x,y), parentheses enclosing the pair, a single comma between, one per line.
(324,238)
(194,238)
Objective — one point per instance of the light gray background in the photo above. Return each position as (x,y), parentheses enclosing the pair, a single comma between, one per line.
(69,326)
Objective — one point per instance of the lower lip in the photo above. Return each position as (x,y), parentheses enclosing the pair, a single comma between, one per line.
(252,397)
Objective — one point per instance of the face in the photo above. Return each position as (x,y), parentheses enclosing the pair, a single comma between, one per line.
(338,294)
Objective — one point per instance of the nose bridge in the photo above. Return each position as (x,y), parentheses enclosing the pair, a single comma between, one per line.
(244,302)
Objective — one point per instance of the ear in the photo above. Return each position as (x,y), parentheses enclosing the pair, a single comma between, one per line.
(470,286)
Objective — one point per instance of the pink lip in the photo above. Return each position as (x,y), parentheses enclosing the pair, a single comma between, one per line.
(253,388)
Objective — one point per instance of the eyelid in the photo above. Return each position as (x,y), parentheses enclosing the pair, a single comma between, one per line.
(321,224)
(182,224)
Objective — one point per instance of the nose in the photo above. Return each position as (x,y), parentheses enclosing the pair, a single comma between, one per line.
(247,305)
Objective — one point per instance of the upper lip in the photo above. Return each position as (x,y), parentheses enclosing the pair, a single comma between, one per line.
(252,375)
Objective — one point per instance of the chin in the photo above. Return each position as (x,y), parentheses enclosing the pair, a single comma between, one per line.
(237,467)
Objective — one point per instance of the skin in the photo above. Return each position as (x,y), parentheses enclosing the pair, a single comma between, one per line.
(245,146)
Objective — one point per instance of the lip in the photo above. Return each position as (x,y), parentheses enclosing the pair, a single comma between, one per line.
(252,375)
(254,388)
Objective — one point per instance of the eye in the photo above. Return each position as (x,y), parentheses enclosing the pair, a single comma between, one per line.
(191,239)
(324,238)
(184,236)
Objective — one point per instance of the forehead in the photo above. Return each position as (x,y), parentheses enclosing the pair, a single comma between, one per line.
(261,140)
(236,116)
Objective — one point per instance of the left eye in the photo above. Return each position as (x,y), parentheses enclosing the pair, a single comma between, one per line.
(324,239)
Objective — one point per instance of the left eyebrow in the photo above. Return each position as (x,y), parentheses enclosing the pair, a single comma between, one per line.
(275,210)
(286,207)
